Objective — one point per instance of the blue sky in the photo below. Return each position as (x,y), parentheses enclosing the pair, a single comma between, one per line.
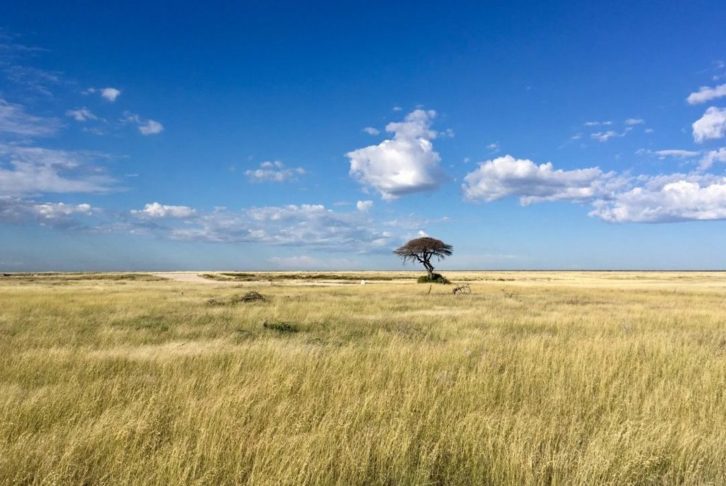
(272,135)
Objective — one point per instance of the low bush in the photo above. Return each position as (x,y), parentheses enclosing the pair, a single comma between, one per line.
(435,278)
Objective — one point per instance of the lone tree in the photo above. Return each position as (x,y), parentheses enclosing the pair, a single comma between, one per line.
(422,250)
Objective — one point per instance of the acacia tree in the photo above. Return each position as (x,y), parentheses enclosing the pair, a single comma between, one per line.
(422,250)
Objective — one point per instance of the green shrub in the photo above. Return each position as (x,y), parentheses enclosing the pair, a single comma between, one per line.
(435,278)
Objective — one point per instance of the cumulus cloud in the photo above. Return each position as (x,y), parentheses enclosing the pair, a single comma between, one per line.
(364,205)
(712,156)
(14,120)
(109,94)
(274,171)
(506,176)
(667,199)
(706,93)
(403,164)
(156,210)
(712,125)
(31,170)
(81,114)
(614,198)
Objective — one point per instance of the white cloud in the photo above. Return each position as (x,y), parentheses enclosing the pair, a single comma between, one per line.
(506,176)
(605,136)
(364,205)
(145,127)
(712,156)
(676,153)
(671,198)
(274,171)
(155,210)
(618,199)
(371,131)
(634,121)
(109,94)
(56,214)
(711,125)
(151,127)
(30,170)
(59,209)
(81,114)
(705,94)
(597,123)
(14,120)
(310,225)
(401,165)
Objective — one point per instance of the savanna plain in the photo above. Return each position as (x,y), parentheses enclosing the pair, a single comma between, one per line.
(531,378)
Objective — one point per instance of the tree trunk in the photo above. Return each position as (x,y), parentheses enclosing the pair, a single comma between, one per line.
(429,269)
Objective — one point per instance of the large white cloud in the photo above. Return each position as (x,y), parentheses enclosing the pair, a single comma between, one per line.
(666,199)
(401,165)
(506,176)
(712,125)
(614,198)
(706,93)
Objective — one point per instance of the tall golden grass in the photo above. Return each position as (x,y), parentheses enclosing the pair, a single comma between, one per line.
(534,378)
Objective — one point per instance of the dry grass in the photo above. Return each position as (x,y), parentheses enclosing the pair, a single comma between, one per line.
(543,377)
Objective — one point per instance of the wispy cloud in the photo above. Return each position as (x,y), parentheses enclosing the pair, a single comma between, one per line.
(371,131)
(309,225)
(711,157)
(145,126)
(81,114)
(364,205)
(34,170)
(605,135)
(634,121)
(274,171)
(53,214)
(15,120)
(706,93)
(670,153)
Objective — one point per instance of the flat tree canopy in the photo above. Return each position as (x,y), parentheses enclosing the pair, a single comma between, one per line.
(422,250)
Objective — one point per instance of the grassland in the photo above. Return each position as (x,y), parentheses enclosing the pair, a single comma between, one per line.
(539,378)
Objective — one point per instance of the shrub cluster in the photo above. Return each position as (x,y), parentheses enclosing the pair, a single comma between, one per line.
(435,278)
